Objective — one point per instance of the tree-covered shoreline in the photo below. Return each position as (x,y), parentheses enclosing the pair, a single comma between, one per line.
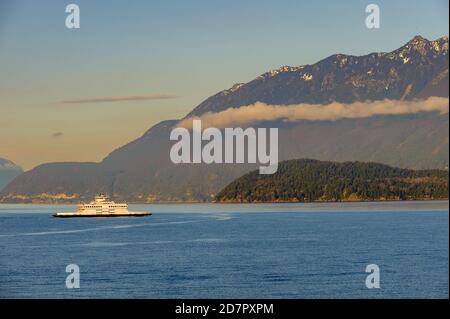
(307,180)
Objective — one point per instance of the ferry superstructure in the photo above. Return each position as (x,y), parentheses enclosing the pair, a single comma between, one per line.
(101,206)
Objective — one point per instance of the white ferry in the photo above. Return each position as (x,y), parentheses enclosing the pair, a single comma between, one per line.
(102,207)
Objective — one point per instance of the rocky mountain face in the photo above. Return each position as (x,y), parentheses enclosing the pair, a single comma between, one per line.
(8,171)
(408,72)
(141,171)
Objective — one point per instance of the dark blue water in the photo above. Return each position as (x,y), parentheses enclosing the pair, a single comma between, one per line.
(228,251)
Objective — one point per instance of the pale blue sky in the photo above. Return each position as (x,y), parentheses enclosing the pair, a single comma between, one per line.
(190,49)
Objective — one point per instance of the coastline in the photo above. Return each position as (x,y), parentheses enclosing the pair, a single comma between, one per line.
(180,203)
(225,211)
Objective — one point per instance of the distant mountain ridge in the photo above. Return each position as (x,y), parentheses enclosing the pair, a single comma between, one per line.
(141,171)
(307,180)
(401,74)
(8,171)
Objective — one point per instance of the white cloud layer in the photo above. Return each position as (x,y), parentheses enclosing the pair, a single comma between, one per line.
(259,112)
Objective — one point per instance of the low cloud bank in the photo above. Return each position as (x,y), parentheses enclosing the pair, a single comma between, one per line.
(259,112)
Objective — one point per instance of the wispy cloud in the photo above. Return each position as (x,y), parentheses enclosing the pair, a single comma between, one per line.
(260,112)
(126,98)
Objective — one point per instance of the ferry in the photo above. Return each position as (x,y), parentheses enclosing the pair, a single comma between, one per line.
(101,206)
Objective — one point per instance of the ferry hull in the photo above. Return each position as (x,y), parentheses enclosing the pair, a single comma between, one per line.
(73,215)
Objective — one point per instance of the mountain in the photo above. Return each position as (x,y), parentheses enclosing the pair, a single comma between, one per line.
(141,171)
(405,73)
(311,180)
(8,171)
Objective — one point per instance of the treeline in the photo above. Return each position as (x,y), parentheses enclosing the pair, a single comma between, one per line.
(308,180)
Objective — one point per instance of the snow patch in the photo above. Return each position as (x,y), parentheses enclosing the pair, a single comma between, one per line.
(307,77)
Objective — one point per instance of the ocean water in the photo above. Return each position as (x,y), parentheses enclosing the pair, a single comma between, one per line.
(229,251)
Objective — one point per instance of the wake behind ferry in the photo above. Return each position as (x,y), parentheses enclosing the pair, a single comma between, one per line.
(102,207)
